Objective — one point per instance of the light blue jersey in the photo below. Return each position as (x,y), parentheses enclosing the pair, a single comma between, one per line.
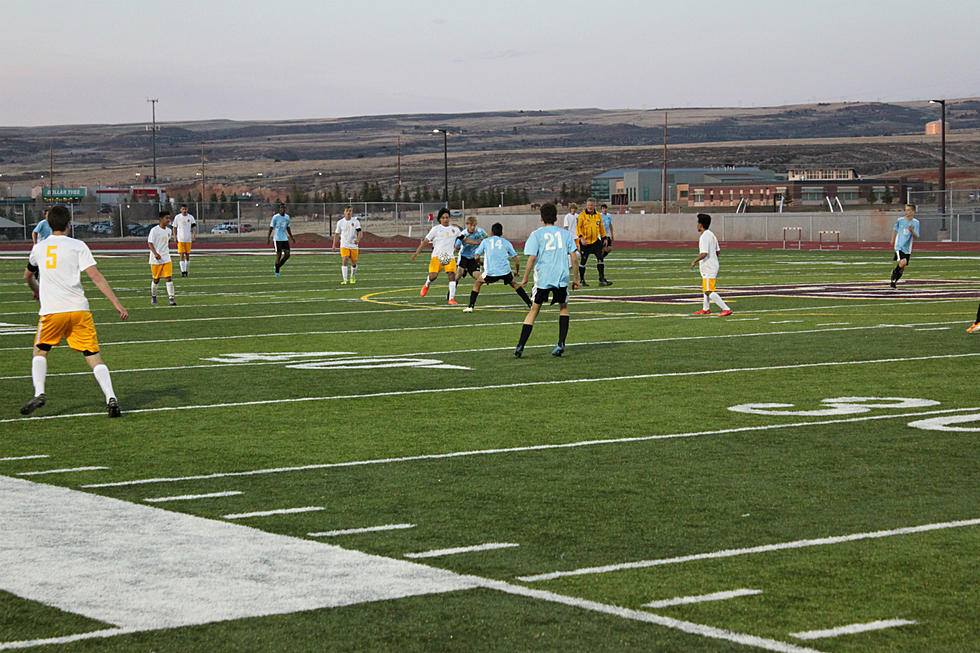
(551,246)
(466,250)
(904,230)
(607,223)
(279,225)
(496,253)
(43,230)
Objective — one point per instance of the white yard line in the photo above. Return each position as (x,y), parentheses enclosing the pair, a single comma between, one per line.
(436,553)
(935,329)
(66,639)
(2,460)
(766,548)
(509,450)
(701,598)
(365,529)
(192,497)
(852,629)
(61,471)
(501,386)
(278,511)
(648,617)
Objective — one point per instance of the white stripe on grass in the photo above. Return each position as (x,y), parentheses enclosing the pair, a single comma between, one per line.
(456,550)
(701,598)
(365,529)
(269,513)
(34,457)
(65,470)
(765,548)
(852,629)
(509,450)
(192,497)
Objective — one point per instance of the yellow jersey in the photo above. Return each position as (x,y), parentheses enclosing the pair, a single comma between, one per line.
(590,227)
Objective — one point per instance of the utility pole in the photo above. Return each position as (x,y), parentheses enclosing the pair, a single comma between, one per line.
(663,188)
(51,171)
(153,136)
(204,183)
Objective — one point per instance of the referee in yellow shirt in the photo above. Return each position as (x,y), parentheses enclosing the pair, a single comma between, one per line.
(591,232)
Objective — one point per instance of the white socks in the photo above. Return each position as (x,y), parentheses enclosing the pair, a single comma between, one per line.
(427,282)
(353,271)
(452,289)
(153,288)
(184,265)
(170,289)
(705,305)
(716,298)
(101,373)
(343,271)
(39,369)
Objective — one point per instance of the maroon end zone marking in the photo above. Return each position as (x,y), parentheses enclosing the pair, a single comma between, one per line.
(921,289)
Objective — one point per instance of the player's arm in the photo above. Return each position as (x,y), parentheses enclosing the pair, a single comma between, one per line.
(193,231)
(153,250)
(268,236)
(610,232)
(894,233)
(700,258)
(914,230)
(103,285)
(333,247)
(517,265)
(357,236)
(289,231)
(418,250)
(530,266)
(29,278)
(574,255)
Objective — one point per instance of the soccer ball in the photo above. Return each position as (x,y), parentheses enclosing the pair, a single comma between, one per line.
(444,259)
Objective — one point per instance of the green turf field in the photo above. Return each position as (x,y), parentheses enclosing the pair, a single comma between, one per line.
(806,464)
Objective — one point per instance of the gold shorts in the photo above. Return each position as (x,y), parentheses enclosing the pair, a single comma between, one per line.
(708,285)
(352,253)
(183,248)
(76,326)
(436,266)
(160,271)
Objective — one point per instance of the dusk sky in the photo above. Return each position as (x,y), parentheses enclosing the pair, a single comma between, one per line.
(69,62)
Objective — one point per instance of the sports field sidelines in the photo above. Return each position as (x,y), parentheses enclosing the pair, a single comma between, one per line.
(750,480)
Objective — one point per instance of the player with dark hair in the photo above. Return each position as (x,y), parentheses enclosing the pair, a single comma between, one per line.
(708,261)
(64,308)
(904,233)
(161,267)
(443,238)
(549,249)
(280,224)
(186,230)
(497,253)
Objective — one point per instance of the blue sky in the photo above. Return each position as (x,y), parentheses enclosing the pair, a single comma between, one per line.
(97,62)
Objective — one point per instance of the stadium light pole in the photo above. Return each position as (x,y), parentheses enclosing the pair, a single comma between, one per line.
(153,136)
(942,161)
(445,161)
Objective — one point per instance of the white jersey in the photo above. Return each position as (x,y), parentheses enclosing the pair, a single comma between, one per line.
(571,224)
(61,260)
(160,237)
(183,224)
(443,239)
(708,244)
(348,232)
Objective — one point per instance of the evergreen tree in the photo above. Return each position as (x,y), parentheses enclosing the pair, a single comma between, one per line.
(563,193)
(887,197)
(871,195)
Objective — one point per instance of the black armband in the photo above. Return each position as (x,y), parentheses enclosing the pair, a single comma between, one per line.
(33,268)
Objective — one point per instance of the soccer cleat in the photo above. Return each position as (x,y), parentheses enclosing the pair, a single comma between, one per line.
(278,275)
(33,404)
(183,274)
(353,281)
(453,302)
(582,284)
(468,309)
(725,312)
(518,350)
(153,300)
(974,328)
(344,282)
(424,290)
(173,302)
(702,312)
(113,407)
(558,351)
(605,282)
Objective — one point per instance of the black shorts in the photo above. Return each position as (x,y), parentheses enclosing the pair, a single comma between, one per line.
(282,246)
(507,278)
(606,242)
(558,295)
(592,248)
(471,265)
(902,256)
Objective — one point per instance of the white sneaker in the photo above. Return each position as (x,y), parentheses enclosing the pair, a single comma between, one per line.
(468,309)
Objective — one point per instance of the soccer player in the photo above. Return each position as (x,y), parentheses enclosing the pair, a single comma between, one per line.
(904,233)
(708,261)
(64,308)
(280,223)
(443,238)
(349,231)
(161,266)
(549,249)
(497,253)
(607,223)
(975,327)
(186,227)
(591,233)
(571,220)
(468,240)
(41,230)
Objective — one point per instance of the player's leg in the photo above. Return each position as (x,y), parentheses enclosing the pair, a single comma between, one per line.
(975,327)
(344,259)
(278,257)
(451,274)
(474,294)
(353,265)
(707,287)
(563,319)
(519,289)
(169,280)
(39,372)
(540,297)
(155,272)
(600,257)
(434,268)
(581,265)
